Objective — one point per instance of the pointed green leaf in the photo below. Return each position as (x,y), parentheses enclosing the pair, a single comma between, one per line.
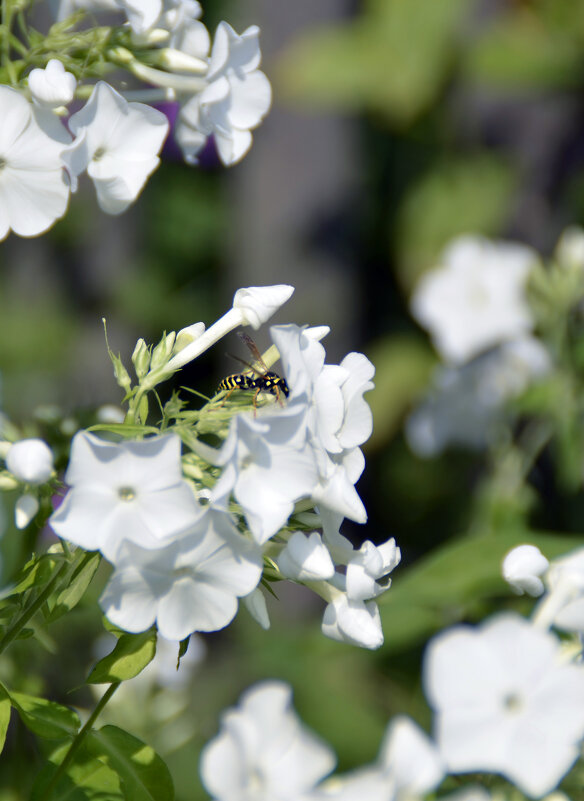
(130,656)
(37,572)
(445,586)
(144,775)
(78,583)
(45,718)
(5,707)
(86,779)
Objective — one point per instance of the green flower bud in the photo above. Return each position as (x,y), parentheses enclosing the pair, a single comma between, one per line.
(163,351)
(141,358)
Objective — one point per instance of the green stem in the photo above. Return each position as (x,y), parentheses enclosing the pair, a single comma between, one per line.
(14,630)
(79,738)
(20,623)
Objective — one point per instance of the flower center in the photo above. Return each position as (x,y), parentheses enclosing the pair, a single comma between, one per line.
(127,494)
(3,162)
(512,703)
(99,154)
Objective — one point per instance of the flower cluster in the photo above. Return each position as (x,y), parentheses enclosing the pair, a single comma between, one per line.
(475,307)
(507,698)
(49,142)
(190,527)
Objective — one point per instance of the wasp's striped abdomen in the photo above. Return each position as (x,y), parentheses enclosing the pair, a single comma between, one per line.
(237,381)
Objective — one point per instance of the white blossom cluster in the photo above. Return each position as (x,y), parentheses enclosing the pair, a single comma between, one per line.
(190,528)
(475,307)
(47,141)
(506,699)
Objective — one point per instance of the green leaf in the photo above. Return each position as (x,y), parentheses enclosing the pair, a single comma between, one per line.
(130,656)
(402,369)
(445,203)
(37,572)
(518,52)
(445,586)
(144,775)
(78,583)
(394,58)
(5,708)
(86,779)
(45,718)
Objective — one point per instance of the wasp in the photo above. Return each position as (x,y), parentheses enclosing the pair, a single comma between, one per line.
(266,381)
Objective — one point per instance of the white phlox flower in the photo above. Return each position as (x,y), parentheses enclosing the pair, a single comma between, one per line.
(52,86)
(141,14)
(337,476)
(409,760)
(353,622)
(563,603)
(522,569)
(368,570)
(339,418)
(124,491)
(33,190)
(263,752)
(476,298)
(30,460)
(117,143)
(363,784)
(465,404)
(191,584)
(266,468)
(252,305)
(306,558)
(506,702)
(235,101)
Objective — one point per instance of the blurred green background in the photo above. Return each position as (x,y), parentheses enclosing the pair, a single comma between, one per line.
(396,126)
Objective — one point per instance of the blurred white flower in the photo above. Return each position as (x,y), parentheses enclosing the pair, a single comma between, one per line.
(52,86)
(570,248)
(124,491)
(255,604)
(409,760)
(465,404)
(64,8)
(506,702)
(522,568)
(563,603)
(25,509)
(306,558)
(33,190)
(252,305)
(263,751)
(30,460)
(117,143)
(191,584)
(235,101)
(476,298)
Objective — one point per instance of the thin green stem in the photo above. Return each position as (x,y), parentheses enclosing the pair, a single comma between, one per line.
(79,738)
(26,615)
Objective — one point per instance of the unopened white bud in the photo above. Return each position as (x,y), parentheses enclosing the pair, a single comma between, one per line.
(258,303)
(178,61)
(30,460)
(522,568)
(53,86)
(25,509)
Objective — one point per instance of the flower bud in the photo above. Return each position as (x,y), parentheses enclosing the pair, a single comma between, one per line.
(187,335)
(141,358)
(258,303)
(177,61)
(30,460)
(53,86)
(162,352)
(522,568)
(25,509)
